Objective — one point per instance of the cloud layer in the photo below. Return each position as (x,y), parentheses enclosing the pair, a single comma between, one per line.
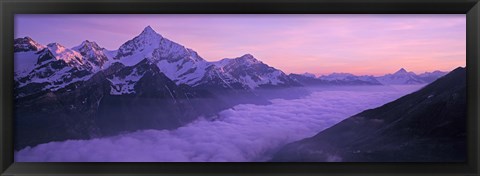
(243,133)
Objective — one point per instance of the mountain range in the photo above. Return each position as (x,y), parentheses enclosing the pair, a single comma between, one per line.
(39,68)
(149,82)
(52,67)
(401,77)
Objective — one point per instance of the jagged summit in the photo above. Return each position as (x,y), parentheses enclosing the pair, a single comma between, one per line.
(87,44)
(26,38)
(71,57)
(55,44)
(402,76)
(26,44)
(402,70)
(56,47)
(148,36)
(253,73)
(247,58)
(149,31)
(141,46)
(93,54)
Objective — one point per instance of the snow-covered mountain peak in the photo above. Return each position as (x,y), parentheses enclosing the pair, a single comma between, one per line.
(149,36)
(93,55)
(140,47)
(56,47)
(244,60)
(251,72)
(149,31)
(180,64)
(26,39)
(73,58)
(26,44)
(89,49)
(90,45)
(247,59)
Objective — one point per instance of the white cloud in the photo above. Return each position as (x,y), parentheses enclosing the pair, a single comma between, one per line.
(243,133)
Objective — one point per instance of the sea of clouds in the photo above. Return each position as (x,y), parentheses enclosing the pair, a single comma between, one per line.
(243,133)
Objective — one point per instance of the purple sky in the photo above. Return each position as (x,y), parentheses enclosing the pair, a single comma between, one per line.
(320,44)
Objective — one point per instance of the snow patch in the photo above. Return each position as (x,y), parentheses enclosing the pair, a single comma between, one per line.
(71,57)
(122,86)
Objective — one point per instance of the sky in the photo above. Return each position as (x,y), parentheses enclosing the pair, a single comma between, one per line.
(315,43)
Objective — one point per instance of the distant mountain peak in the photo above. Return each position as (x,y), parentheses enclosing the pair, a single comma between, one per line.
(307,74)
(148,28)
(402,70)
(340,74)
(402,76)
(248,58)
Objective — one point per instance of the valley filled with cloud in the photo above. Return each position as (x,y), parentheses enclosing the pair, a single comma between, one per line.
(245,132)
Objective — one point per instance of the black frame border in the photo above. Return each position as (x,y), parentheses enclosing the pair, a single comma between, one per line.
(8,8)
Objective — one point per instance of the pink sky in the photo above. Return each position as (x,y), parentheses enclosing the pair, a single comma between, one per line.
(319,44)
